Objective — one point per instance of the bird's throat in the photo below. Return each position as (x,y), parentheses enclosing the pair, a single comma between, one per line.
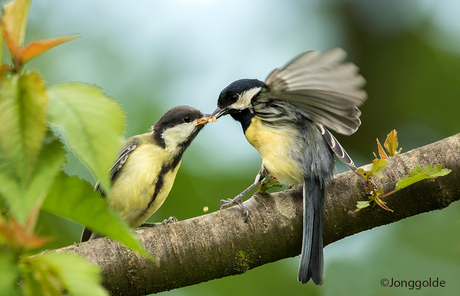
(244,117)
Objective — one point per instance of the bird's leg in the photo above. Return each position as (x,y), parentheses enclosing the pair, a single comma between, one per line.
(238,200)
(165,221)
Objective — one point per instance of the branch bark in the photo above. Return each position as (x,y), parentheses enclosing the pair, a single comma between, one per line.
(221,244)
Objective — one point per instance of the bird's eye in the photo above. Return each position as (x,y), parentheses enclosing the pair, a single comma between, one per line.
(187,119)
(235,97)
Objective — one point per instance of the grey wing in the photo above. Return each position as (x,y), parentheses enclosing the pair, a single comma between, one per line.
(326,90)
(128,148)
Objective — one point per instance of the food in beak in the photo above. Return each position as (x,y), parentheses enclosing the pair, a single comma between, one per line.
(205,120)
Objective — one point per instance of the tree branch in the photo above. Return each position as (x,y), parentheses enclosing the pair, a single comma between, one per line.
(221,244)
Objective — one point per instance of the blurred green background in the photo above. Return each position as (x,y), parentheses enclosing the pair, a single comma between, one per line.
(153,55)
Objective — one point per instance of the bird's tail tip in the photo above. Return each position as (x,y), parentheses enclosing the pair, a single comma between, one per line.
(306,274)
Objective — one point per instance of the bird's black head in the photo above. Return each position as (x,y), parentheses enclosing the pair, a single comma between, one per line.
(178,127)
(237,96)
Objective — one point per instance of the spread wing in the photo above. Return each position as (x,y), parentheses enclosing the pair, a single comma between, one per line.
(335,146)
(126,151)
(326,90)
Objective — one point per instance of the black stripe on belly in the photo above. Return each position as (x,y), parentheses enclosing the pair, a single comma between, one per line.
(159,181)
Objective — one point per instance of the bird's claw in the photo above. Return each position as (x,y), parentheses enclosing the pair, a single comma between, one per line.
(165,221)
(235,201)
(169,220)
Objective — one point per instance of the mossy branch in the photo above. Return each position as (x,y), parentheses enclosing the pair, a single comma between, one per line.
(220,244)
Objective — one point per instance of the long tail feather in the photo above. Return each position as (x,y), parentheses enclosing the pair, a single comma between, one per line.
(311,259)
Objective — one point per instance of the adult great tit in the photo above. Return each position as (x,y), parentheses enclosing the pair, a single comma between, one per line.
(146,167)
(285,119)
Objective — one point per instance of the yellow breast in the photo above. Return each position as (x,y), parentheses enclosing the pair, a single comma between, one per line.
(276,146)
(133,189)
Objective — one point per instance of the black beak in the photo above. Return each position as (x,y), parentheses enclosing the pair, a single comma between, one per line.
(220,112)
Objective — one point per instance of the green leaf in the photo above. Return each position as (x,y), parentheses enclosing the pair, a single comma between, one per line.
(9,275)
(91,123)
(377,165)
(23,103)
(418,174)
(53,273)
(362,204)
(22,199)
(75,199)
(363,173)
(12,192)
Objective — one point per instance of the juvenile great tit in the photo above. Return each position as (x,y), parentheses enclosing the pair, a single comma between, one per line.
(146,167)
(285,119)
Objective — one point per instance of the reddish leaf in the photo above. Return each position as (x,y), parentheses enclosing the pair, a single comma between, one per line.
(36,48)
(14,49)
(14,23)
(382,153)
(17,237)
(391,143)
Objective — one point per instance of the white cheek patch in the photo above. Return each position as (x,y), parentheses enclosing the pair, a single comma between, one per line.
(177,135)
(244,99)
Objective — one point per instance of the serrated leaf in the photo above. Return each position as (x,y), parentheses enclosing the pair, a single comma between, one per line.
(14,22)
(419,174)
(50,162)
(382,153)
(57,272)
(391,143)
(23,103)
(36,48)
(21,199)
(75,199)
(91,123)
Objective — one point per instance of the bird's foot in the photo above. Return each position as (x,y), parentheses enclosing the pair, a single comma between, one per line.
(235,201)
(165,221)
(169,220)
(267,184)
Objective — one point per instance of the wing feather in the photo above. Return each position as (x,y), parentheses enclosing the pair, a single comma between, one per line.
(129,146)
(326,90)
